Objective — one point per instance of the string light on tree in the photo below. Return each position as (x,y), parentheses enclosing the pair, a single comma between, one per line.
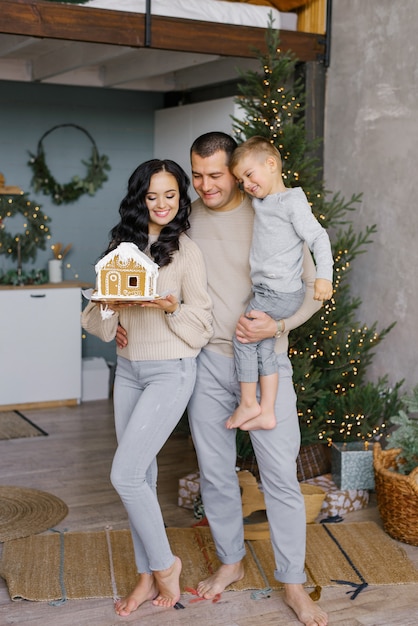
(330,353)
(33,232)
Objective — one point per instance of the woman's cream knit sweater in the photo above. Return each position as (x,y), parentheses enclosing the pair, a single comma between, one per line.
(153,335)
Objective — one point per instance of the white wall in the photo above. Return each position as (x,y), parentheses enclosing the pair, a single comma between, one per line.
(176,128)
(371,147)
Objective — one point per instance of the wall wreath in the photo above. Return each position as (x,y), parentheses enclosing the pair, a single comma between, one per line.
(25,244)
(66,193)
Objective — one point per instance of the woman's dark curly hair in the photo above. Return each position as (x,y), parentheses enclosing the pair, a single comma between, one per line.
(133,225)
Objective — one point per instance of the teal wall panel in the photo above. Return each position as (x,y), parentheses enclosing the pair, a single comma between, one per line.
(122,126)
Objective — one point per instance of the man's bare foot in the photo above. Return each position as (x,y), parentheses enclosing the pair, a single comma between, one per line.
(168,583)
(217,583)
(265,421)
(307,611)
(242,414)
(145,589)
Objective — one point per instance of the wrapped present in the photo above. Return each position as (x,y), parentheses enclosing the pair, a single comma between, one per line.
(339,502)
(189,490)
(352,465)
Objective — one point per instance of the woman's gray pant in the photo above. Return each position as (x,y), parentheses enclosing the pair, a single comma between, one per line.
(149,398)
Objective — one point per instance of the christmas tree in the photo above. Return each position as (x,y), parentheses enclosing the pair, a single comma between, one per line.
(331,352)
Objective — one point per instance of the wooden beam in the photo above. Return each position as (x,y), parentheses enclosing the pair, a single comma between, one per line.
(227,40)
(72,22)
(122,28)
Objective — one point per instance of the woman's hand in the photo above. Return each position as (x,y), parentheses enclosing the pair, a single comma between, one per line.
(168,304)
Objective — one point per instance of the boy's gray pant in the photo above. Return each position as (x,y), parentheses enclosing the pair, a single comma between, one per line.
(258,359)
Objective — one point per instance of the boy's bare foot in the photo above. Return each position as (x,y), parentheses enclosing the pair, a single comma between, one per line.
(168,584)
(307,611)
(217,583)
(242,414)
(265,421)
(145,589)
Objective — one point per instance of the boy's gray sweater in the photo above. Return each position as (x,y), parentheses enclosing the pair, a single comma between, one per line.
(283,222)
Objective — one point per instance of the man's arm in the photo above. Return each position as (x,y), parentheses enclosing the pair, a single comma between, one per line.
(262,326)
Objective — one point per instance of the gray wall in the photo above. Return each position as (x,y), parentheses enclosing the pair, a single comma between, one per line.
(122,125)
(371,131)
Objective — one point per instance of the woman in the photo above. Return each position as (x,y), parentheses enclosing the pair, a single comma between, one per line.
(155,373)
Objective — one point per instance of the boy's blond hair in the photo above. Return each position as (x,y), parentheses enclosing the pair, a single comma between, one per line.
(258,146)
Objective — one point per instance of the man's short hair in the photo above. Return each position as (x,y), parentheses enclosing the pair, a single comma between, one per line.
(209,143)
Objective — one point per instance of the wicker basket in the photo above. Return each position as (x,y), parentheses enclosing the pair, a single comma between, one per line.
(313,497)
(397,496)
(313,460)
(253,500)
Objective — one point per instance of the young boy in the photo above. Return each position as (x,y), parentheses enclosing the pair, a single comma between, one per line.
(283,222)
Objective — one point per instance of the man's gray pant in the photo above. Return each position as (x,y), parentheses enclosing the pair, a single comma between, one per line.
(214,399)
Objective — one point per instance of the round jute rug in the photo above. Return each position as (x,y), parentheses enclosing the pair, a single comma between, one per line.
(25,512)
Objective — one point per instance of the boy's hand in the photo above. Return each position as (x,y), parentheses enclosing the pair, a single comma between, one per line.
(322,289)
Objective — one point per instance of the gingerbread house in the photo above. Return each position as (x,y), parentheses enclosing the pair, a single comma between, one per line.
(126,273)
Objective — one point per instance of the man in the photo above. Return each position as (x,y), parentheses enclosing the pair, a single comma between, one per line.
(221,224)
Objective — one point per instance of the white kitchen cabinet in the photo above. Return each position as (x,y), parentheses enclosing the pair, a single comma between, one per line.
(40,344)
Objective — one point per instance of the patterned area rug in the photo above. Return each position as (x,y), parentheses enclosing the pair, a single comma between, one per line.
(75,565)
(14,425)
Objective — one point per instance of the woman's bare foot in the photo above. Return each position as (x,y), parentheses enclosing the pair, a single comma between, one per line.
(242,414)
(145,589)
(307,611)
(168,584)
(217,583)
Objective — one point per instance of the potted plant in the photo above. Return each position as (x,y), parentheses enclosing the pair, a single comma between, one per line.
(396,473)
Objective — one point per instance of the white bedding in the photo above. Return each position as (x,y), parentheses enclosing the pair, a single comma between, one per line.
(238,13)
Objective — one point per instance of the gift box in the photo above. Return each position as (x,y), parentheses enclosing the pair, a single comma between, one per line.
(339,502)
(352,465)
(189,490)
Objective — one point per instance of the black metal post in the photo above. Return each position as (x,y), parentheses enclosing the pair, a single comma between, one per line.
(148,23)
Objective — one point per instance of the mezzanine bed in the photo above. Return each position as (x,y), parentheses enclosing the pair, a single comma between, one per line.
(135,44)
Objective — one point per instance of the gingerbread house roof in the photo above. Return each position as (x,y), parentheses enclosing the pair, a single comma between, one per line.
(127,251)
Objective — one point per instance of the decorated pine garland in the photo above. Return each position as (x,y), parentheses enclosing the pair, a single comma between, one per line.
(23,245)
(66,193)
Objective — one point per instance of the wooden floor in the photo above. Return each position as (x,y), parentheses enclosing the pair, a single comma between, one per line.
(73,462)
